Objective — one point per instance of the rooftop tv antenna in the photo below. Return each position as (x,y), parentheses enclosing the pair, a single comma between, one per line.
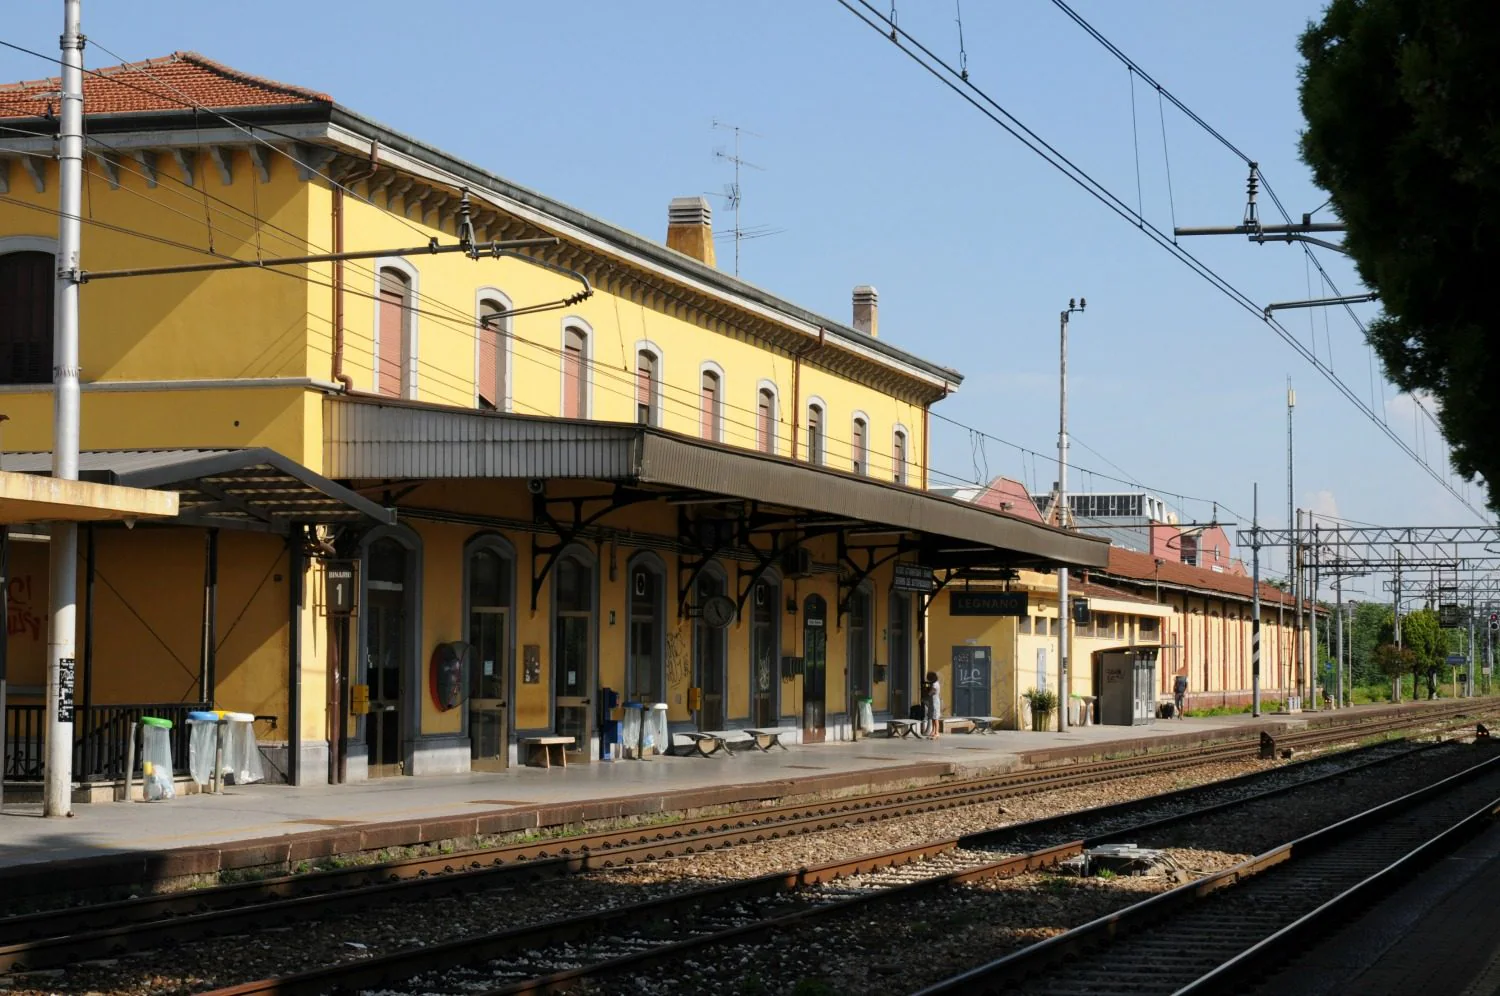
(733,195)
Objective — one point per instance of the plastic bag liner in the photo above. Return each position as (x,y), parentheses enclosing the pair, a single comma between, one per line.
(203,727)
(633,725)
(241,755)
(656,729)
(156,758)
(867,715)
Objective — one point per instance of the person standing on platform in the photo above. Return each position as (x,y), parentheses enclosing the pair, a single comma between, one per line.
(1179,693)
(932,700)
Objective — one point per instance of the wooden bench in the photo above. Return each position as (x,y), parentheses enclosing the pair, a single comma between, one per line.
(957,724)
(764,740)
(984,724)
(902,728)
(543,746)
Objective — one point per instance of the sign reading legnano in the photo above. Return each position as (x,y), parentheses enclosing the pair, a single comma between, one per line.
(987,603)
(913,577)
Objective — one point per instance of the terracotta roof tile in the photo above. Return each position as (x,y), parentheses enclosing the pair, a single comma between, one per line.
(1136,566)
(179,81)
(1095,590)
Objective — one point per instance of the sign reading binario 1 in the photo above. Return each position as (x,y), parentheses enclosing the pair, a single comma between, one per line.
(987,603)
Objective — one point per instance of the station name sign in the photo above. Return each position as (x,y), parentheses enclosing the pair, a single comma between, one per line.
(988,603)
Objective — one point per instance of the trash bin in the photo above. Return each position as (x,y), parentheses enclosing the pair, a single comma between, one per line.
(203,731)
(156,758)
(657,730)
(866,715)
(241,753)
(633,725)
(610,740)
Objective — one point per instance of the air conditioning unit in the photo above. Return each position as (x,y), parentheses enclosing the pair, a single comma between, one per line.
(797,563)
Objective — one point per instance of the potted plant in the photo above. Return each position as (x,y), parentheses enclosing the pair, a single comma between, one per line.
(1042,704)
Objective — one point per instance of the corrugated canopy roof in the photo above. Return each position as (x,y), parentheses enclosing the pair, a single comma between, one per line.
(369,439)
(244,488)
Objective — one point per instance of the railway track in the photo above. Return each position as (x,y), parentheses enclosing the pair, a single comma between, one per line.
(1219,933)
(69,935)
(567,953)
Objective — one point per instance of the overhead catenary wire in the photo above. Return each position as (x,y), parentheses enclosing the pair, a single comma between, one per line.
(999,115)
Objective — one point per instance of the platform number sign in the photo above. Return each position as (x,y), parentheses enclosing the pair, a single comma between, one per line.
(339,585)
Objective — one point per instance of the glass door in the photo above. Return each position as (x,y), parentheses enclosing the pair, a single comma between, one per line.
(814,669)
(573,654)
(489,659)
(764,709)
(385,637)
(645,680)
(711,658)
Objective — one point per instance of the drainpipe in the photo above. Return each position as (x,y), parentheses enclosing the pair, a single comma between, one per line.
(338,375)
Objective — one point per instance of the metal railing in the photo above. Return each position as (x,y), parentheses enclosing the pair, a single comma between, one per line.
(101,738)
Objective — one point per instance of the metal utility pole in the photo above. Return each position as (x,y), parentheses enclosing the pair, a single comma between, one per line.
(1065,616)
(63,570)
(1255,604)
(1312,617)
(1396,630)
(1338,629)
(1294,555)
(1299,656)
(1473,657)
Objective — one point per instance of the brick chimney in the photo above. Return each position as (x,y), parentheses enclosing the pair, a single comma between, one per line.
(690,228)
(867,311)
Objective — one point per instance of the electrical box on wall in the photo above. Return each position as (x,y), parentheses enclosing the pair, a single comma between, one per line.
(359,699)
(791,667)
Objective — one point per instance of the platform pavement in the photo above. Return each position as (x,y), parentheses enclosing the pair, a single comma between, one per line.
(370,813)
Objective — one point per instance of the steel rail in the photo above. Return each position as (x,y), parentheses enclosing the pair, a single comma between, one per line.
(66,935)
(398,966)
(1086,944)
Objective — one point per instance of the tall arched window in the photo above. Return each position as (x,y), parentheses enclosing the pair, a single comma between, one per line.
(765,420)
(647,387)
(490,595)
(898,455)
(575,373)
(645,678)
(859,445)
(711,406)
(27,290)
(491,374)
(394,353)
(816,434)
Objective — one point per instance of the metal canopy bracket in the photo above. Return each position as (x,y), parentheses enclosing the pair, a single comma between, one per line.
(876,555)
(569,531)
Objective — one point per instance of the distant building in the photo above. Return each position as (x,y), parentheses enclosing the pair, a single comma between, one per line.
(1140,521)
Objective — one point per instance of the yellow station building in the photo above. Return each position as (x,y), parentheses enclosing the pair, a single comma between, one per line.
(435,502)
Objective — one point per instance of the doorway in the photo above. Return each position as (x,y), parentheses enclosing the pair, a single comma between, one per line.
(898,654)
(645,677)
(489,662)
(814,669)
(861,667)
(573,653)
(764,651)
(387,646)
(710,645)
(971,681)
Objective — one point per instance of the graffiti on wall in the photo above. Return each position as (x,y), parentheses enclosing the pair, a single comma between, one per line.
(679,656)
(24,617)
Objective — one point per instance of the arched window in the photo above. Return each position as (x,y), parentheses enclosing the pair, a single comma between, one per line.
(765,419)
(816,443)
(492,357)
(647,387)
(859,446)
(575,380)
(711,406)
(27,290)
(898,455)
(646,674)
(490,592)
(395,353)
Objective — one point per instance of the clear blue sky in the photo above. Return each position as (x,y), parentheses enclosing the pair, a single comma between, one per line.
(880,175)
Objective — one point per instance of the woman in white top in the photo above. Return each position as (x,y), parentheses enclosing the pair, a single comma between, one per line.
(932,696)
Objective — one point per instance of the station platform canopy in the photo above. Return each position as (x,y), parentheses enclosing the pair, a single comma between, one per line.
(29,498)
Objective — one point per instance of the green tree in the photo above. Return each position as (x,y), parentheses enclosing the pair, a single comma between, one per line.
(1399,98)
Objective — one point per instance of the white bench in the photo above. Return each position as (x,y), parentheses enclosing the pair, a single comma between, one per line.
(705,744)
(764,740)
(902,728)
(543,746)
